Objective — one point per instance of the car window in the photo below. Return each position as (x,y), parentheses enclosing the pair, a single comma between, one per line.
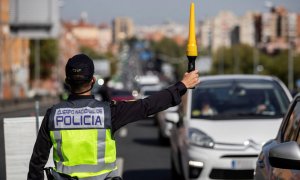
(238,99)
(292,126)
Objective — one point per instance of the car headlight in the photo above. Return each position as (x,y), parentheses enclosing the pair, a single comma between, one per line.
(199,138)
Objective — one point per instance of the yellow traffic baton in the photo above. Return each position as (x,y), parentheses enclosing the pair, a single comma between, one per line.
(191,50)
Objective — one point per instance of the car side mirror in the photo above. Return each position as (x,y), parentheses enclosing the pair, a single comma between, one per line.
(172,117)
(285,156)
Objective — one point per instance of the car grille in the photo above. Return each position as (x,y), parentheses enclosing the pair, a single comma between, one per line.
(240,156)
(231,174)
(237,146)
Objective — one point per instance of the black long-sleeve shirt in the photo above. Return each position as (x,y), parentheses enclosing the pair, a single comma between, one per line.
(122,113)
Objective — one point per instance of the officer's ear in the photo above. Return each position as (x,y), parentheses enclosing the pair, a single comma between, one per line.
(93,80)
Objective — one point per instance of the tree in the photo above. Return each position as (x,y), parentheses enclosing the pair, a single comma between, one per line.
(91,53)
(168,47)
(48,57)
(238,59)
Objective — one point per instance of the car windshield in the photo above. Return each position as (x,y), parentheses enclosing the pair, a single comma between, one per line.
(238,99)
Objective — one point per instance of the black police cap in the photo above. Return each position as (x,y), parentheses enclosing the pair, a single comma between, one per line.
(79,68)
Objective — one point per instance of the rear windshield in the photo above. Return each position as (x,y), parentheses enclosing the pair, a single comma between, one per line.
(238,99)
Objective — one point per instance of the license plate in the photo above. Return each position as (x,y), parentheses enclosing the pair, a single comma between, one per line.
(242,163)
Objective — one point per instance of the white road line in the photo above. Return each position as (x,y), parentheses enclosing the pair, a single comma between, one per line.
(123,132)
(120,163)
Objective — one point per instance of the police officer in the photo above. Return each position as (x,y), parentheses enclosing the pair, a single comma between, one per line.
(81,129)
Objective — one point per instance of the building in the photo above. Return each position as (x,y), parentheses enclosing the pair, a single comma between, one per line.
(105,33)
(177,32)
(298,34)
(247,30)
(68,47)
(279,29)
(14,59)
(223,24)
(122,28)
(206,29)
(87,34)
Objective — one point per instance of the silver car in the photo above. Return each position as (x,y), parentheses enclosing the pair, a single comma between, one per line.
(280,157)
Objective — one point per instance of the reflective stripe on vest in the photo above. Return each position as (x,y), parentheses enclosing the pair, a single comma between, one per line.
(97,160)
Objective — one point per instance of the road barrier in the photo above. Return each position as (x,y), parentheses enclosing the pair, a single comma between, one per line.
(19,136)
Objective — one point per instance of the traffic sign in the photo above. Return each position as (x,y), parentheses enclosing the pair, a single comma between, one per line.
(34,19)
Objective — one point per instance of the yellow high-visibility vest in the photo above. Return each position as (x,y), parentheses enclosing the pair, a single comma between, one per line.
(83,145)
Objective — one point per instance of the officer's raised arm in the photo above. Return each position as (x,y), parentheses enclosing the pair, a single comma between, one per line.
(127,112)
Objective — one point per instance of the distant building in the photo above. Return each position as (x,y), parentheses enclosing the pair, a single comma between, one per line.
(87,34)
(223,24)
(269,31)
(14,60)
(171,30)
(68,47)
(298,34)
(122,28)
(247,29)
(206,29)
(279,29)
(105,33)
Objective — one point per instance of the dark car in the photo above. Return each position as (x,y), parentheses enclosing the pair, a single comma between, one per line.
(121,95)
(280,157)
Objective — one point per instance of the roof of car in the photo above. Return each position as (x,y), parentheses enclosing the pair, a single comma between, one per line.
(237,76)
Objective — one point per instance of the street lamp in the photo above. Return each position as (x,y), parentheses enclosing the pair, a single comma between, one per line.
(291,65)
(292,18)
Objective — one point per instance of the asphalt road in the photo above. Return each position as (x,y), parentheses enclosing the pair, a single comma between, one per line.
(144,157)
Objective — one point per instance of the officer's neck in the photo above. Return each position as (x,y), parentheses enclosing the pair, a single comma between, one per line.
(86,94)
(79,93)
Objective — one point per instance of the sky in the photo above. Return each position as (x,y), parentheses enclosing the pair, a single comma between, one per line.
(150,12)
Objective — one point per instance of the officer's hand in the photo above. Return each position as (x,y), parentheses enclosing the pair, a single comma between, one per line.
(191,79)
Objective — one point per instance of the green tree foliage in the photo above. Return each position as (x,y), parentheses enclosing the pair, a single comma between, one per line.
(48,57)
(91,53)
(168,47)
(238,59)
(234,60)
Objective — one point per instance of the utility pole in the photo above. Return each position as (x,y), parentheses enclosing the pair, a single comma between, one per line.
(291,65)
(291,35)
(255,58)
(37,66)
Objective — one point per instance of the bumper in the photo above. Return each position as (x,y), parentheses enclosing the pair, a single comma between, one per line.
(221,164)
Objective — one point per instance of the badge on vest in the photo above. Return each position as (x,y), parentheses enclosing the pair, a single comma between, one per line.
(86,117)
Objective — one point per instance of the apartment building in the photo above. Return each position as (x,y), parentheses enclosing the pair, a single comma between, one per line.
(14,59)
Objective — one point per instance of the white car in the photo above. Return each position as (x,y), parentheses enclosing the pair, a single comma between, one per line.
(226,120)
(148,90)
